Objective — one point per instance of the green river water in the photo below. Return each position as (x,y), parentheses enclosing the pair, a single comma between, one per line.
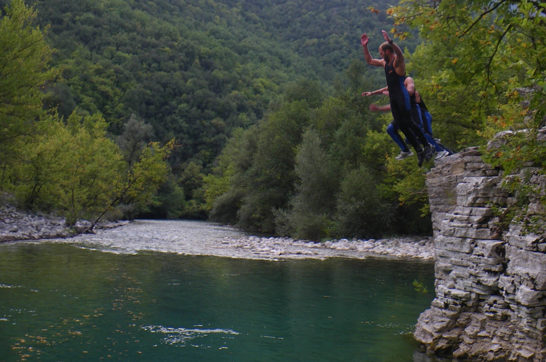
(59,302)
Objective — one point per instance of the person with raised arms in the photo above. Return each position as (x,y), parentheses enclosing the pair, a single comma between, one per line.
(392,60)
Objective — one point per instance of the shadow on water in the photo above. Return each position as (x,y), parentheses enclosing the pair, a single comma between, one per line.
(60,302)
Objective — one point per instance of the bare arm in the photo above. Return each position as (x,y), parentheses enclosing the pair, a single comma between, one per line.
(377,62)
(410,85)
(376,108)
(377,91)
(399,63)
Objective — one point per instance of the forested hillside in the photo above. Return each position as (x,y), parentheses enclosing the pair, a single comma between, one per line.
(194,70)
(321,167)
(256,104)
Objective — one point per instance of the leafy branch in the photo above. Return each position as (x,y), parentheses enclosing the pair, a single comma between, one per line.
(480,17)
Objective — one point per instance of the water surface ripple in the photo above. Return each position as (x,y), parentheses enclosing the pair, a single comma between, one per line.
(65,303)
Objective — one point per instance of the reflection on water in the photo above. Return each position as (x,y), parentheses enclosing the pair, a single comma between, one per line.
(58,302)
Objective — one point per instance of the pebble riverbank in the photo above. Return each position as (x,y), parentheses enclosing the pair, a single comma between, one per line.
(202,238)
(16,225)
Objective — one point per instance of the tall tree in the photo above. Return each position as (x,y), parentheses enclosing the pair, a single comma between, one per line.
(24,71)
(313,205)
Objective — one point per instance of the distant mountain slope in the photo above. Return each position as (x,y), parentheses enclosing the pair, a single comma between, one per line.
(197,69)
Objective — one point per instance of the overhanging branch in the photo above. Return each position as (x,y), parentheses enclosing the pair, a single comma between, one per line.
(481,17)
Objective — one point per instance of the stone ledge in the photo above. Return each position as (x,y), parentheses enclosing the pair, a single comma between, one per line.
(490,282)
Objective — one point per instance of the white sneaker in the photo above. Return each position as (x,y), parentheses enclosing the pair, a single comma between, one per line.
(403,155)
(441,154)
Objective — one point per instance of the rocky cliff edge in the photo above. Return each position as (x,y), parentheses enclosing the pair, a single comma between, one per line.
(490,278)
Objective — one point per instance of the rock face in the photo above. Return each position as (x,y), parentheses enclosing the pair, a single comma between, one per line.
(490,280)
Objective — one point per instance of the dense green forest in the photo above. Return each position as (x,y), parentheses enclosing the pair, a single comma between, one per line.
(193,70)
(249,112)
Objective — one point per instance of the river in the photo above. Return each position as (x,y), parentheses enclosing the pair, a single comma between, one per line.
(194,291)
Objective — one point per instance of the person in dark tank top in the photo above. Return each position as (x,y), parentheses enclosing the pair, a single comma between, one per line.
(392,60)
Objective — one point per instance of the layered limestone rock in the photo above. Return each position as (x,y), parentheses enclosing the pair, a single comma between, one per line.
(490,280)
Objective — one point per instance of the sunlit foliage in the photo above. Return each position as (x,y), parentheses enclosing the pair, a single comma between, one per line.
(481,67)
(68,166)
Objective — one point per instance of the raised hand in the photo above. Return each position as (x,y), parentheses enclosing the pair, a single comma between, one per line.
(386,36)
(364,40)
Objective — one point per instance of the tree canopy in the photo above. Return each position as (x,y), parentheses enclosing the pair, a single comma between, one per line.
(195,70)
(480,67)
(69,166)
(249,111)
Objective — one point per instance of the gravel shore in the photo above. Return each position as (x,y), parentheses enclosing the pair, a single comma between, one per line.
(202,238)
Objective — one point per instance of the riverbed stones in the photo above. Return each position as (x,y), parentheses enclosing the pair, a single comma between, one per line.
(17,225)
(490,280)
